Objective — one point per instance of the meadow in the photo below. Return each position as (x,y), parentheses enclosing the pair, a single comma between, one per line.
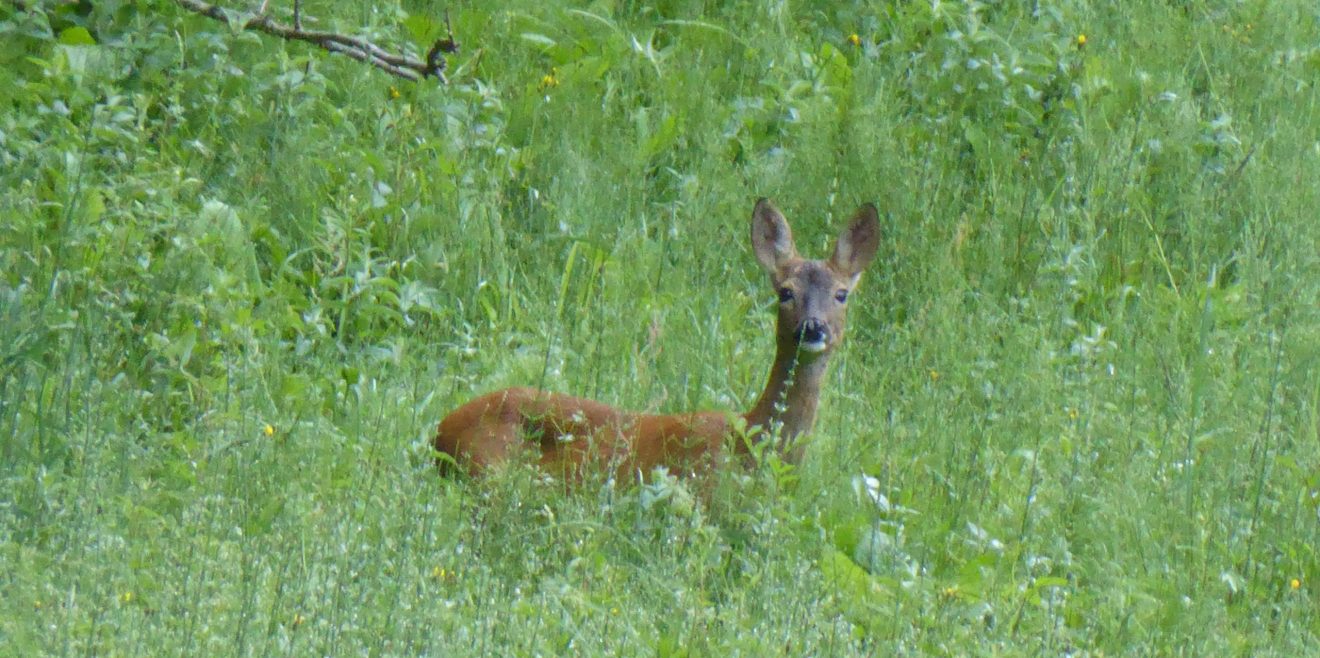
(242,279)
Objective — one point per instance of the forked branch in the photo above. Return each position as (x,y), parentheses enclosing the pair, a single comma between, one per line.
(359,49)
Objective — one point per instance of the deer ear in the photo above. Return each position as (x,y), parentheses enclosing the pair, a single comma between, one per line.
(858,243)
(772,239)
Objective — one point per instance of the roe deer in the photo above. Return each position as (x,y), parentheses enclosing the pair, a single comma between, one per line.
(564,432)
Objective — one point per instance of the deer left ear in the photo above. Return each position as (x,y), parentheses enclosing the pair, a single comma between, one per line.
(772,239)
(858,243)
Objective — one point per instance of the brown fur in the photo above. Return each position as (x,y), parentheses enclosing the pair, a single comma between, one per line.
(570,432)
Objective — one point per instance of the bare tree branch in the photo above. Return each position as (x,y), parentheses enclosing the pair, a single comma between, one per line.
(359,49)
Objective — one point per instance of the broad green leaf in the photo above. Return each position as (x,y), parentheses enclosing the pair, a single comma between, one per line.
(76,36)
(423,28)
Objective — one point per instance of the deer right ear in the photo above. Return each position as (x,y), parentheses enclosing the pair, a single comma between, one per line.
(772,239)
(858,243)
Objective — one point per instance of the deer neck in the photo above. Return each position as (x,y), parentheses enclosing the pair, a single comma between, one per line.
(787,407)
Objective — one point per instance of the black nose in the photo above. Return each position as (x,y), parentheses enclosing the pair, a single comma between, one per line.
(813,331)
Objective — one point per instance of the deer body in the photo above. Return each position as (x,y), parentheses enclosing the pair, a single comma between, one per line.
(569,432)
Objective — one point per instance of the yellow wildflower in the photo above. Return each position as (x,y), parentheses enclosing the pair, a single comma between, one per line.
(1081,40)
(1295,583)
(550,79)
(854,39)
(394,93)
(268,430)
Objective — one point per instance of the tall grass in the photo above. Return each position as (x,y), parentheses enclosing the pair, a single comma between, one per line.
(241,280)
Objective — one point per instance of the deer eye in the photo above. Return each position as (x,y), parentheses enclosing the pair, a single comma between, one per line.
(785,295)
(841,295)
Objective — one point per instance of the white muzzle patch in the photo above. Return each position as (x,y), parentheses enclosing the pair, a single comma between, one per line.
(814,347)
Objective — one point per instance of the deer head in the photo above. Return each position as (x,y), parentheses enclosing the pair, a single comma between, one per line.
(813,294)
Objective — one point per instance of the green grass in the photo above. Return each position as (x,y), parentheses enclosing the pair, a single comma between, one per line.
(1080,377)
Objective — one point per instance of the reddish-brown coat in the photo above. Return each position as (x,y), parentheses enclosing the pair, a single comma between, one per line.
(568,431)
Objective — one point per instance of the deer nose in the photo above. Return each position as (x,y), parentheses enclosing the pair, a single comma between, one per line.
(814,332)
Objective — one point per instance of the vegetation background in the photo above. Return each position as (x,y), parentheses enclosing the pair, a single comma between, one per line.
(241,280)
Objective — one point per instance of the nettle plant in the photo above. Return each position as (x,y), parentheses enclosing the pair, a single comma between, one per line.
(964,66)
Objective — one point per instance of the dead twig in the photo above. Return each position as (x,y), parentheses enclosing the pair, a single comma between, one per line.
(359,49)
